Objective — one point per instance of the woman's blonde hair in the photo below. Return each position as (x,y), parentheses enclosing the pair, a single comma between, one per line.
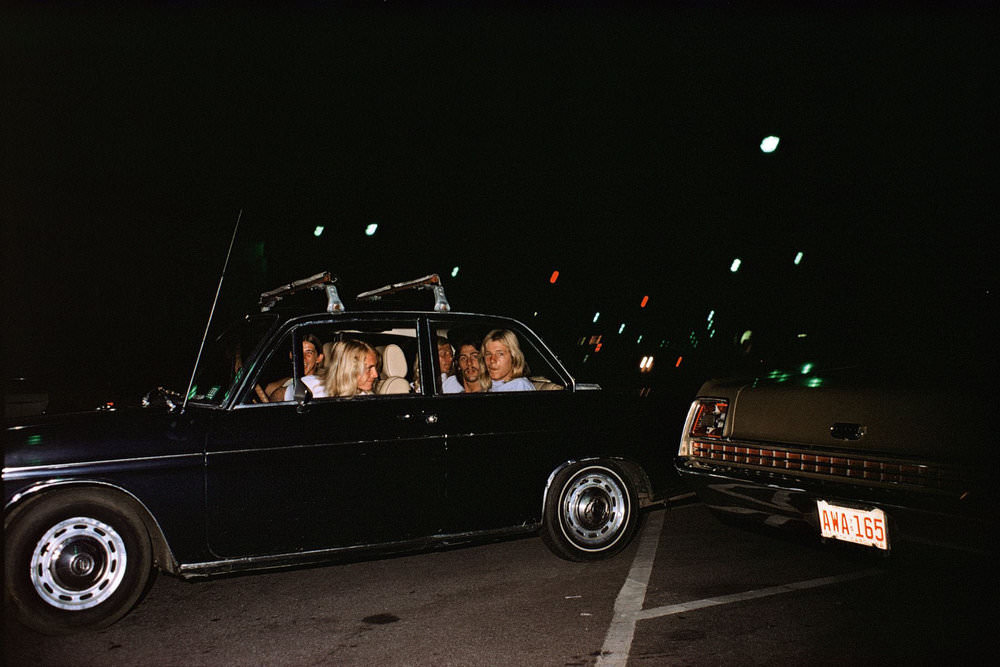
(518,364)
(345,364)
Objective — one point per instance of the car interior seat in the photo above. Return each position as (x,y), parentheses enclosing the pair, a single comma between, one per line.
(544,384)
(392,374)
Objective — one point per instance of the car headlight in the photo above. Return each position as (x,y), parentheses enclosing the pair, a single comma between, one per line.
(706,419)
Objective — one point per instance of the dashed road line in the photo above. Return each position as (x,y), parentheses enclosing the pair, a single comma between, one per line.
(628,604)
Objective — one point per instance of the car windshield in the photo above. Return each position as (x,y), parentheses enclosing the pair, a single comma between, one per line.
(225,357)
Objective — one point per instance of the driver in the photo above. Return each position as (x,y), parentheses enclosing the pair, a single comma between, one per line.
(312,366)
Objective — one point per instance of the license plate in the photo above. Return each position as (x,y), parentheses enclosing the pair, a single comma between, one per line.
(866,527)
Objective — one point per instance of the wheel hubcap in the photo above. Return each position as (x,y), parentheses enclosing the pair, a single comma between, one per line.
(78,563)
(594,509)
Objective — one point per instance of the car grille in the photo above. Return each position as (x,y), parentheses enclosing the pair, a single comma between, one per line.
(826,465)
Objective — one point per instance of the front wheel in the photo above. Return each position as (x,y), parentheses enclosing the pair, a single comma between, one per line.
(76,560)
(590,512)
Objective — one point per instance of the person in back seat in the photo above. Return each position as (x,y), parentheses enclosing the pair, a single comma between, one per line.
(470,372)
(505,362)
(445,357)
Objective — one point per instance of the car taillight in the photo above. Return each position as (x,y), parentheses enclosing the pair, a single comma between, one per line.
(706,419)
(710,419)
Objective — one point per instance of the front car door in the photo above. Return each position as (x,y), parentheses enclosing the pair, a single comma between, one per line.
(288,477)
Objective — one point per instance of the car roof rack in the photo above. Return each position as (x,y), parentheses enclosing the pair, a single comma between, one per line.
(431,282)
(320,281)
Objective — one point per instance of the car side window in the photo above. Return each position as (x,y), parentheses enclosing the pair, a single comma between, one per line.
(486,355)
(344,359)
(275,375)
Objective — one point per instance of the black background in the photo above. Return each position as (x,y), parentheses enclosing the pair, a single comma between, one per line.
(619,147)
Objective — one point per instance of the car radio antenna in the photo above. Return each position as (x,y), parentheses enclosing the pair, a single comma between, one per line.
(211,313)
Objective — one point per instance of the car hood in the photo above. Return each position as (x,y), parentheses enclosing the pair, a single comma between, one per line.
(100,435)
(861,412)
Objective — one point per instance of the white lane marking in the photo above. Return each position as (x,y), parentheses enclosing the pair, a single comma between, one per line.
(750,595)
(618,641)
(628,604)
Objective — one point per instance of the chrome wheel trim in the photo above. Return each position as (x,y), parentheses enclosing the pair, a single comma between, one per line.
(594,509)
(78,564)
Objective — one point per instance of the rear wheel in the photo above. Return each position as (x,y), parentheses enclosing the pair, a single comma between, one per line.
(75,560)
(590,512)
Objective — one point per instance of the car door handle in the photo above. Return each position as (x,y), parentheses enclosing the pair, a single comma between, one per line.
(431,419)
(844,431)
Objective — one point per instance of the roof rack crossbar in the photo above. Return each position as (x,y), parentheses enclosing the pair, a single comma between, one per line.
(319,281)
(431,282)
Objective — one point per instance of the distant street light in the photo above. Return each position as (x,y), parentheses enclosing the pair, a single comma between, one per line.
(735,266)
(769,144)
(371,229)
(454,272)
(318,231)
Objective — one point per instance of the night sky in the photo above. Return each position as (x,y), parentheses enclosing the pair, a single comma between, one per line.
(618,147)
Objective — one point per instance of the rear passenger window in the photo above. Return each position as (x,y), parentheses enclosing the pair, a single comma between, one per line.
(509,359)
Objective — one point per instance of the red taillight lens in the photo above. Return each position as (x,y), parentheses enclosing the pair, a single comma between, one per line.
(710,419)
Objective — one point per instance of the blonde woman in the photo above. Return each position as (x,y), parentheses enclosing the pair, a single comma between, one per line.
(505,362)
(352,369)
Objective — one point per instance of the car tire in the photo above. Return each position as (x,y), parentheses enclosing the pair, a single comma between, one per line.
(75,560)
(591,512)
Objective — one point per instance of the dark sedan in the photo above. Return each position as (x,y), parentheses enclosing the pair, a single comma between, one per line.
(254,469)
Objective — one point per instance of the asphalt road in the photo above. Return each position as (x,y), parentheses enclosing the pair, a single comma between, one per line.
(689,591)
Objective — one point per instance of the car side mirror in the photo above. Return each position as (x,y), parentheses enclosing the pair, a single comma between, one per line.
(302,395)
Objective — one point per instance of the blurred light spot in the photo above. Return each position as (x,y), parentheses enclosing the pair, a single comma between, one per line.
(319,230)
(711,315)
(554,277)
(769,144)
(679,360)
(621,328)
(371,229)
(596,315)
(454,272)
(735,266)
(798,258)
(644,301)
(815,382)
(806,369)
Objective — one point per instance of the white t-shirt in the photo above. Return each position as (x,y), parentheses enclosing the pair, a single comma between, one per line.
(452,385)
(517,384)
(314,383)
